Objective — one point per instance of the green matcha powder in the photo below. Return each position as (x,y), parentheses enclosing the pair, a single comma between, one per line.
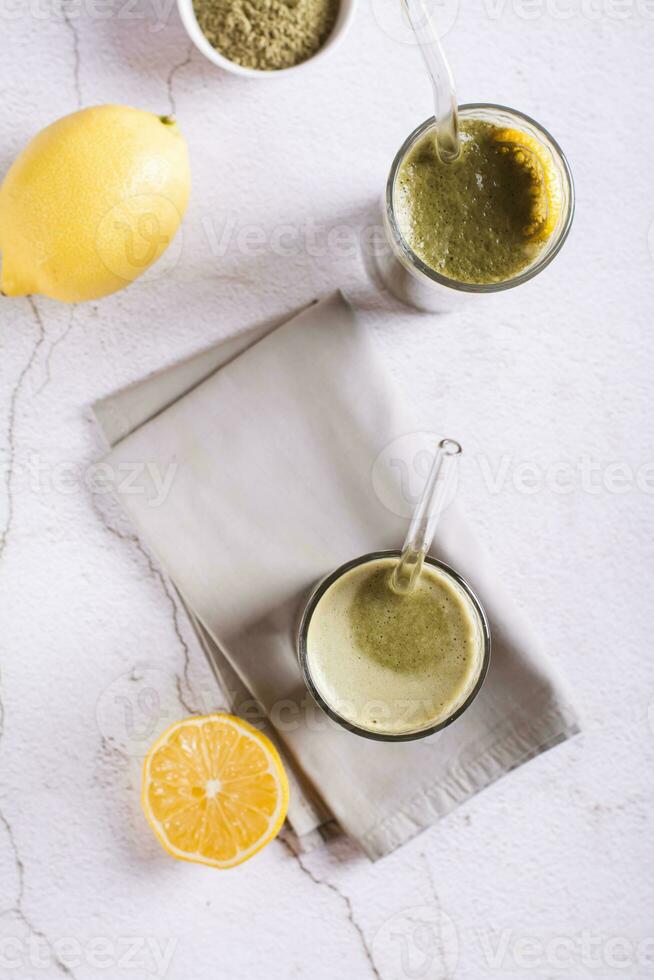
(266,34)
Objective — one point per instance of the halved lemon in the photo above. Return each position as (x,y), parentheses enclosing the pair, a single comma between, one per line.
(533,158)
(214,790)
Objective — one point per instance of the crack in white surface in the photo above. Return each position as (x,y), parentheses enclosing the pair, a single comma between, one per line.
(345,899)
(77,60)
(53,346)
(171,78)
(109,750)
(11,424)
(17,908)
(439,908)
(181,680)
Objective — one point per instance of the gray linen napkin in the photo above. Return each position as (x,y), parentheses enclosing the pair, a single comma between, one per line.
(273,442)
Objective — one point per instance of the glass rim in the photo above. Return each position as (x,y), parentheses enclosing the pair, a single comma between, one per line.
(415,264)
(303,656)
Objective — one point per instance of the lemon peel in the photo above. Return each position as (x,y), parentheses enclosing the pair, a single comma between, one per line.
(91,203)
(214,790)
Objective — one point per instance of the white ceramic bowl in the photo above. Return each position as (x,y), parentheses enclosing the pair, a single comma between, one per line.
(187,13)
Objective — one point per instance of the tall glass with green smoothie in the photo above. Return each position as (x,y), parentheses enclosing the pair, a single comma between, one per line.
(395,644)
(394,666)
(492,219)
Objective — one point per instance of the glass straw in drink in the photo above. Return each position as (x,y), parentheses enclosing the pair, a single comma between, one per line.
(442,80)
(433,500)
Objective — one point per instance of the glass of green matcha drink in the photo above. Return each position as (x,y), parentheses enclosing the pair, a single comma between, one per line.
(489,220)
(395,645)
(389,666)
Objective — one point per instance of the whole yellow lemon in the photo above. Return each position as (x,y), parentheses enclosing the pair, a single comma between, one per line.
(91,203)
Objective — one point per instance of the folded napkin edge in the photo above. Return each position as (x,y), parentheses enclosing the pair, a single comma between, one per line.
(555,725)
(124,411)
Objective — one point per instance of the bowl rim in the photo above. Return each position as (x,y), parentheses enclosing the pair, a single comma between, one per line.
(189,20)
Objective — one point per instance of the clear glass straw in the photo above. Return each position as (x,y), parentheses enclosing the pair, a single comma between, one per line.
(433,500)
(442,80)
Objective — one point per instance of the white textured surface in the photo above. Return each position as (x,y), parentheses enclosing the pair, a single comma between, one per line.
(552,373)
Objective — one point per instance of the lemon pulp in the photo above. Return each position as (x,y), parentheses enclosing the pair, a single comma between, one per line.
(214,790)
